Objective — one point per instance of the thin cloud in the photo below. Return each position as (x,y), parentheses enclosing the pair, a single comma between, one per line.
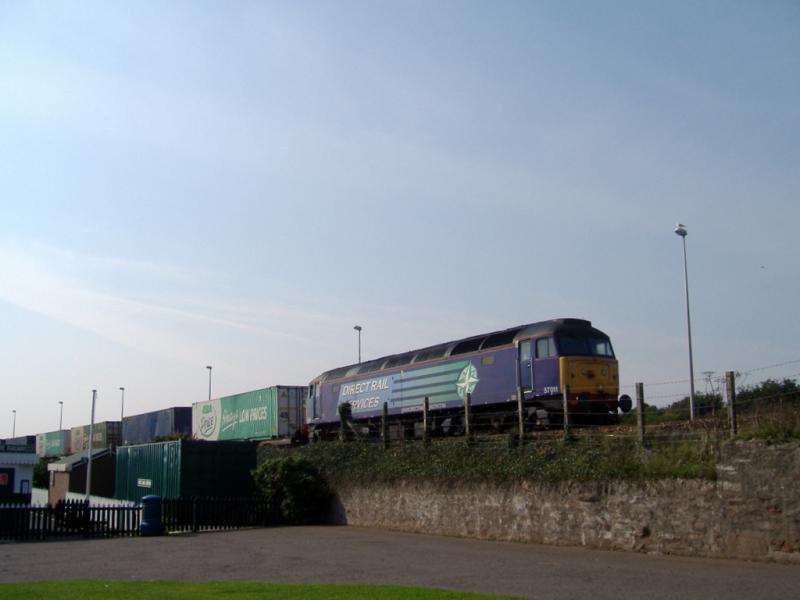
(33,278)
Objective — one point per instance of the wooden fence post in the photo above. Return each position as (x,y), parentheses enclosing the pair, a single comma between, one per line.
(468,417)
(345,426)
(426,423)
(385,425)
(521,413)
(730,389)
(566,413)
(640,411)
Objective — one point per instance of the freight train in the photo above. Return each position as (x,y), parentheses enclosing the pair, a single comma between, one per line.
(537,361)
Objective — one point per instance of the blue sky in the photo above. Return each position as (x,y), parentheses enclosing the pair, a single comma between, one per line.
(238,184)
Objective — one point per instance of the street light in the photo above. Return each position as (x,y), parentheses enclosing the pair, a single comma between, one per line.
(60,413)
(358,329)
(680,230)
(89,451)
(209,381)
(14,425)
(122,406)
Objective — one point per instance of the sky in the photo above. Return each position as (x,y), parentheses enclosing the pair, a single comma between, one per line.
(238,184)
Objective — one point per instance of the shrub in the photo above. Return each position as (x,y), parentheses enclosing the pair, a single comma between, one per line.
(41,477)
(295,488)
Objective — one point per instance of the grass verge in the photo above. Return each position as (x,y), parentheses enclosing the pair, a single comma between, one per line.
(233,590)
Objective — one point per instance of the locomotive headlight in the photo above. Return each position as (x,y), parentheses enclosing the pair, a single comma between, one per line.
(604,372)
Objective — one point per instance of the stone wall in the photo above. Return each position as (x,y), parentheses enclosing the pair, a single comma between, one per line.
(751,511)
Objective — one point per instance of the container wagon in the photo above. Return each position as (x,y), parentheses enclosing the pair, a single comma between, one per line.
(53,443)
(141,429)
(107,434)
(273,412)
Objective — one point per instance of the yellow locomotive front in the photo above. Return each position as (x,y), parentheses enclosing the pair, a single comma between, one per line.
(590,378)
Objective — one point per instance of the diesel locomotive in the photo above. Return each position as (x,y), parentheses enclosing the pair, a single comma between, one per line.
(536,360)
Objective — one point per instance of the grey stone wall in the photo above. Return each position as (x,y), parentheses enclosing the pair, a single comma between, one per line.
(751,511)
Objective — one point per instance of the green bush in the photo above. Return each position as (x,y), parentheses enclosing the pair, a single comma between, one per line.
(295,488)
(41,477)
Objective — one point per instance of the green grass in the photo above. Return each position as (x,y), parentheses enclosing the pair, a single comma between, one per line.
(234,590)
(779,427)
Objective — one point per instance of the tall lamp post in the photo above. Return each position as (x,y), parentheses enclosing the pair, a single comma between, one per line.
(89,451)
(358,329)
(60,413)
(122,405)
(680,230)
(209,381)
(14,424)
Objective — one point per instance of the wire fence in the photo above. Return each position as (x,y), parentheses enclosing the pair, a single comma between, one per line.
(714,416)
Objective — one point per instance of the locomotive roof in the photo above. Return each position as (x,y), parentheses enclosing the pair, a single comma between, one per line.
(465,345)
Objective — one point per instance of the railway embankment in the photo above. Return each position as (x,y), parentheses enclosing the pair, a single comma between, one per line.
(749,507)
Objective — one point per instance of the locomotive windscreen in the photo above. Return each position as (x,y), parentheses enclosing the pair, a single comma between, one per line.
(584,346)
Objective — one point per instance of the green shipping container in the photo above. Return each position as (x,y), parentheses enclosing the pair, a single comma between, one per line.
(273,412)
(185,468)
(53,443)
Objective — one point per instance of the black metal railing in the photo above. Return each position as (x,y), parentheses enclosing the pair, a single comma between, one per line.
(68,518)
(215,513)
(77,518)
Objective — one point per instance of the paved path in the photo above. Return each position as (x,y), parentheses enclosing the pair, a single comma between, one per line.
(355,555)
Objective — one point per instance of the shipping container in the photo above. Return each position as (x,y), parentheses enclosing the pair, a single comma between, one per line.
(185,468)
(21,442)
(274,412)
(53,443)
(141,429)
(106,435)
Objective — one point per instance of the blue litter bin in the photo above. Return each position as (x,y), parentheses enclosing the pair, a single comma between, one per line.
(151,516)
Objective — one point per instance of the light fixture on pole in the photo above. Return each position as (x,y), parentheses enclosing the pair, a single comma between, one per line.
(89,450)
(209,381)
(680,230)
(60,413)
(358,329)
(122,405)
(14,424)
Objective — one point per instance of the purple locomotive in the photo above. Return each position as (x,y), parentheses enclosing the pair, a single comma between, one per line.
(537,360)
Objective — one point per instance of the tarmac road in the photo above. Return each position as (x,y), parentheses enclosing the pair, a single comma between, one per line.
(356,555)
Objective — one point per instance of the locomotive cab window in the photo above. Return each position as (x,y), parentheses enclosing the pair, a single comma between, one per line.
(585,346)
(602,348)
(545,348)
(525,351)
